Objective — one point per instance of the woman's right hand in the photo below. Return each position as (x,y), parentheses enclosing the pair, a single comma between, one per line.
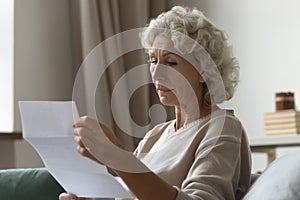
(67,196)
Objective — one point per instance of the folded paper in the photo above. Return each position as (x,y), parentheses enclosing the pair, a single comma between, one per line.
(48,127)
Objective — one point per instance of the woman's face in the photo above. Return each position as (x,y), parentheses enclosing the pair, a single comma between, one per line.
(175,78)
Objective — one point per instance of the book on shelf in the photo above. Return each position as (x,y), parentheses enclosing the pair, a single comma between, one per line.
(284,122)
(287,120)
(282,114)
(290,131)
(281,126)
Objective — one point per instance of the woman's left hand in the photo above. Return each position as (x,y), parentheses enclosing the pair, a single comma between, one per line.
(67,196)
(97,142)
(94,139)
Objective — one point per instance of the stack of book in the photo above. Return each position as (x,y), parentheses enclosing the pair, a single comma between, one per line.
(283,122)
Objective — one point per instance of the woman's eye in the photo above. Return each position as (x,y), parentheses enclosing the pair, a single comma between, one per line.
(154,62)
(172,63)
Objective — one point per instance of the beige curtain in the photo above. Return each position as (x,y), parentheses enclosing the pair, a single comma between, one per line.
(96,20)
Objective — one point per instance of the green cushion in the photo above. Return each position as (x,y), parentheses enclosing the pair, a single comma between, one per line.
(28,184)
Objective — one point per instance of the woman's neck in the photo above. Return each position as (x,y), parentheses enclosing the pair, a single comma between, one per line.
(184,117)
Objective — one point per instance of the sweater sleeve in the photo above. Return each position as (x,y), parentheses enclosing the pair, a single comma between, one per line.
(215,172)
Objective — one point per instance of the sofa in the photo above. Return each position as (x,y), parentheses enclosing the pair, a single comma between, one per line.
(28,184)
(280,181)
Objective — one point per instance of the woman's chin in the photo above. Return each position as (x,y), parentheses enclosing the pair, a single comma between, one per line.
(166,101)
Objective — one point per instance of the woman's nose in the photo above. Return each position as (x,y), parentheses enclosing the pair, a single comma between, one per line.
(157,72)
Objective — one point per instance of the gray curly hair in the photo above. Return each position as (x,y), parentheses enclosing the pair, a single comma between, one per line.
(192,23)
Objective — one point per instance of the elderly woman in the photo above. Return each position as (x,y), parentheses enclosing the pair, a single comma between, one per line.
(203,153)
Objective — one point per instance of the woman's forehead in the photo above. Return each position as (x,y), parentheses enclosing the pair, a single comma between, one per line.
(163,43)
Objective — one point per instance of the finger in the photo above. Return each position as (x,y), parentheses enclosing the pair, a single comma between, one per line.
(81,131)
(83,151)
(81,148)
(67,196)
(86,153)
(87,122)
(83,134)
(75,131)
(79,141)
(87,127)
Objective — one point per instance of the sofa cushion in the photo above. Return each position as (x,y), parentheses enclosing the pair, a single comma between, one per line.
(280,181)
(31,184)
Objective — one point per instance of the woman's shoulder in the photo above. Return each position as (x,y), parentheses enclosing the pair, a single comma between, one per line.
(224,115)
(226,123)
(223,129)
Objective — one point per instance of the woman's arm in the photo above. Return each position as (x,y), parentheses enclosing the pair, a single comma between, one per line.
(148,186)
(100,144)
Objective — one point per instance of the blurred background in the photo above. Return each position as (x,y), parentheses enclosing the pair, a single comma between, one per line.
(43,43)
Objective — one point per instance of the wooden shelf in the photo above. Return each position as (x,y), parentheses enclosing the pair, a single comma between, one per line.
(11,136)
(275,141)
(268,144)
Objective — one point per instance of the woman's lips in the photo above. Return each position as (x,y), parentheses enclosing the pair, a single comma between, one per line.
(164,90)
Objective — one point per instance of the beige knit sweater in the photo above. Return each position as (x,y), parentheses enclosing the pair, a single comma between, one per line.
(207,159)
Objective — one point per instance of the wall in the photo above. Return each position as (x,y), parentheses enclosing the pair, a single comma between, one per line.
(6,63)
(43,66)
(265,38)
(263,34)
(6,78)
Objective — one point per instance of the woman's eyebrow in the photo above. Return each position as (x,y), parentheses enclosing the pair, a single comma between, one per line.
(168,53)
(164,53)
